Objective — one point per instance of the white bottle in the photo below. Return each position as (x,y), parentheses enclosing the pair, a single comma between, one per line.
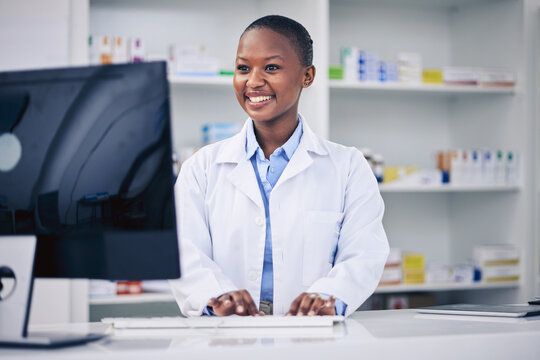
(456,168)
(378,162)
(466,167)
(488,167)
(368,155)
(476,166)
(511,168)
(500,171)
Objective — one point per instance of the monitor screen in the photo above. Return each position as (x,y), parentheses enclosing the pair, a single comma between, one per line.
(86,165)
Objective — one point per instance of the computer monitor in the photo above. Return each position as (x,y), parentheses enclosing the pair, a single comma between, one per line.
(86,168)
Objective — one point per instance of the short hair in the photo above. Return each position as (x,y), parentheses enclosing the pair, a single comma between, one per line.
(292,30)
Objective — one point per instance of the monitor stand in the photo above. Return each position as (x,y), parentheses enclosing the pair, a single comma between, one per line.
(16,280)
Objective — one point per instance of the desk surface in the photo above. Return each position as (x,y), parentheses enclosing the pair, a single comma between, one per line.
(398,334)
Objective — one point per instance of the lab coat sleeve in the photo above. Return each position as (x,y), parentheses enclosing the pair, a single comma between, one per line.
(362,247)
(201,278)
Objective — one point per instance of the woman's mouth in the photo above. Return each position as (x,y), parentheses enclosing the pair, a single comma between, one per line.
(259,101)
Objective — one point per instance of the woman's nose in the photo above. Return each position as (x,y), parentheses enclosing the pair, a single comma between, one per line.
(255,79)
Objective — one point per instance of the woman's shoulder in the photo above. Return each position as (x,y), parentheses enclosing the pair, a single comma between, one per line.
(341,151)
(213,153)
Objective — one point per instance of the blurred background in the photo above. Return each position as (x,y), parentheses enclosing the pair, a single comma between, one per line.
(440,96)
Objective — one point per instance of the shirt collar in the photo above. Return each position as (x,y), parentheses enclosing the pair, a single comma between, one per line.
(288,148)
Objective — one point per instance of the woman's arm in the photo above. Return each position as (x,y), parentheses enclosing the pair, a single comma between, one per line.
(201,278)
(362,246)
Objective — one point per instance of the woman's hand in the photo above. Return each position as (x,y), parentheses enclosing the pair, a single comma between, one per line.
(312,304)
(234,302)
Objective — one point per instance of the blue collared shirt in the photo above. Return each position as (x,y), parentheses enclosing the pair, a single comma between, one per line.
(268,172)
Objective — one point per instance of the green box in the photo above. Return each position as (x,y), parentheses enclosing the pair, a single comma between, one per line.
(335,72)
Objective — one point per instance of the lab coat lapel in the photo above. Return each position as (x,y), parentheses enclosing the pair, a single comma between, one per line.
(243,175)
(298,163)
(302,157)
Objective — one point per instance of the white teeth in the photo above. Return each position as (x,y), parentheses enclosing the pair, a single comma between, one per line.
(259,98)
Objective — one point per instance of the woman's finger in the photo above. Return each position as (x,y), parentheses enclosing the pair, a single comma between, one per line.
(293,309)
(305,304)
(329,307)
(249,303)
(317,304)
(239,305)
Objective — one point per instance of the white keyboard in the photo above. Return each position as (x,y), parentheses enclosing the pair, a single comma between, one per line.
(223,322)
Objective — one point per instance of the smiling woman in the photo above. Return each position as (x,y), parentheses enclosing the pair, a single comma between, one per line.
(269,78)
(276,220)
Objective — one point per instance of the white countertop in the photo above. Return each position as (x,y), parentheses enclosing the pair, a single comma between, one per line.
(398,334)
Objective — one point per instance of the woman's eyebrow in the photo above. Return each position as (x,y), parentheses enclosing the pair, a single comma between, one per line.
(268,58)
(274,57)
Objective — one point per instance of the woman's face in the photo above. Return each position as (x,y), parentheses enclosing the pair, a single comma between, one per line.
(269,76)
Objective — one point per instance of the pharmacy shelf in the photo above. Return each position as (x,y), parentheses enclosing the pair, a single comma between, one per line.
(421,88)
(402,288)
(133,299)
(385,289)
(442,188)
(200,80)
(340,84)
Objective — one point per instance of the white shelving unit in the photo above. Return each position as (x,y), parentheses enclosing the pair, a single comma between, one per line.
(133,299)
(386,289)
(201,80)
(390,289)
(409,124)
(423,88)
(445,188)
(406,124)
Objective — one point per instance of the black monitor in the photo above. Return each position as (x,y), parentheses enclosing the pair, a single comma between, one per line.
(86,167)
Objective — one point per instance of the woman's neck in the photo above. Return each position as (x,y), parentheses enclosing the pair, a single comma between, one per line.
(274,133)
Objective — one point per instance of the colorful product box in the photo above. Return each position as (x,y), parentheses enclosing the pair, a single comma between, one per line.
(120,50)
(414,268)
(496,77)
(432,76)
(460,76)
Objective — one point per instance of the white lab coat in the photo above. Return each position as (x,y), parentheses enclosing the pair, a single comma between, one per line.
(325,211)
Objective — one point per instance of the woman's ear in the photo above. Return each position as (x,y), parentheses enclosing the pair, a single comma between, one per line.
(309,75)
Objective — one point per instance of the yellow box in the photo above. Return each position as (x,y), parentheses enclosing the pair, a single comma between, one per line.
(432,76)
(414,277)
(414,262)
(392,173)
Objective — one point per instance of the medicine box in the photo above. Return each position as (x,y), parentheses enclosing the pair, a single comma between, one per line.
(104,45)
(410,68)
(432,76)
(497,263)
(335,72)
(120,50)
(491,274)
(496,77)
(218,131)
(136,50)
(495,255)
(460,76)
(392,273)
(413,266)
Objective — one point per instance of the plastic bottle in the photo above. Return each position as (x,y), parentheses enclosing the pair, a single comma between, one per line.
(511,168)
(456,168)
(368,155)
(500,171)
(476,167)
(488,167)
(378,162)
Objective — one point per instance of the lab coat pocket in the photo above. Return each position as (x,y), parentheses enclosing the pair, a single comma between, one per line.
(321,234)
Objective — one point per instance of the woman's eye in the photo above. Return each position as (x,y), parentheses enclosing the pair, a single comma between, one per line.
(272,67)
(242,68)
